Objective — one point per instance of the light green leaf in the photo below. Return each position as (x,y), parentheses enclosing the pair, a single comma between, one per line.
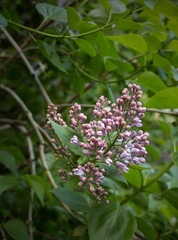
(16,229)
(86,46)
(133,41)
(7,182)
(36,183)
(166,98)
(50,52)
(172,24)
(111,222)
(3,21)
(152,42)
(171,196)
(8,161)
(166,128)
(174,45)
(163,63)
(65,134)
(146,228)
(168,8)
(150,3)
(175,158)
(153,152)
(151,81)
(117,6)
(72,199)
(52,12)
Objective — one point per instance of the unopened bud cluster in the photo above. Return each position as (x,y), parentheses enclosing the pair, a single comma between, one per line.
(108,138)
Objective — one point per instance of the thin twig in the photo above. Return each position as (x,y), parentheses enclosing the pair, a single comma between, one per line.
(2,233)
(5,127)
(28,65)
(13,121)
(162,111)
(33,172)
(45,235)
(41,146)
(139,235)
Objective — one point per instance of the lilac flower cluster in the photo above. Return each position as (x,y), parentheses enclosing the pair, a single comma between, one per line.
(106,139)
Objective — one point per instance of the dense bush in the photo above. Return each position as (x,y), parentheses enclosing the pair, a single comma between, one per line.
(105,172)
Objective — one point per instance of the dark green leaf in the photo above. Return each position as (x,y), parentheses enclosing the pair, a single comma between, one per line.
(50,52)
(117,6)
(16,229)
(172,24)
(52,12)
(166,128)
(151,81)
(36,183)
(86,47)
(153,152)
(72,199)
(7,182)
(171,196)
(166,98)
(152,42)
(105,4)
(168,8)
(125,24)
(74,20)
(175,158)
(132,41)
(8,161)
(122,66)
(111,222)
(3,21)
(65,134)
(146,228)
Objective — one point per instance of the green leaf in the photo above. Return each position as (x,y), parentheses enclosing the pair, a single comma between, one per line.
(167,8)
(163,63)
(111,222)
(3,21)
(105,4)
(153,152)
(133,177)
(65,134)
(8,161)
(174,45)
(151,81)
(150,3)
(16,229)
(146,228)
(166,128)
(171,196)
(106,50)
(132,41)
(152,42)
(122,66)
(52,12)
(72,199)
(86,46)
(113,173)
(166,98)
(36,183)
(50,52)
(74,20)
(125,24)
(7,182)
(172,24)
(175,158)
(117,6)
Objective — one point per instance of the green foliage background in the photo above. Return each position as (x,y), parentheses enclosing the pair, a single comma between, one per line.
(80,50)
